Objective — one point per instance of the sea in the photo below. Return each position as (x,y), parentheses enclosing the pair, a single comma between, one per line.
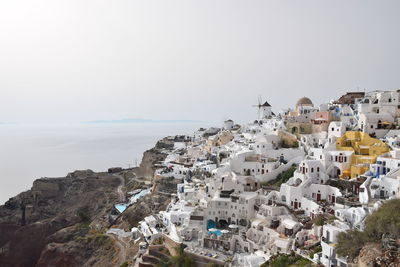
(32,151)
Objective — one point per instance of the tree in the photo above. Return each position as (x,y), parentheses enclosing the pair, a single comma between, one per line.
(385,221)
(181,259)
(350,243)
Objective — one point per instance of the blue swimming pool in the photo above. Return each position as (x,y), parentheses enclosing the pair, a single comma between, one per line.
(120,207)
(216,232)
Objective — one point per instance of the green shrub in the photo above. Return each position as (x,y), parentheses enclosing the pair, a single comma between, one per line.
(213,264)
(350,243)
(287,260)
(83,214)
(283,177)
(314,250)
(384,221)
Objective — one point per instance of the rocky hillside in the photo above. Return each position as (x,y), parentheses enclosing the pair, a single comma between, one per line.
(153,203)
(45,214)
(63,221)
(149,161)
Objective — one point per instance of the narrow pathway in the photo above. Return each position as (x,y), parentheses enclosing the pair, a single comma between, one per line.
(122,248)
(120,192)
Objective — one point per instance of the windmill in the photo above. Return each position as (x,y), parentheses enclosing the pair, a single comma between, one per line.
(259,106)
(263,108)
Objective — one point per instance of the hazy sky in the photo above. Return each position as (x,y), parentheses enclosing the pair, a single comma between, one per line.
(207,60)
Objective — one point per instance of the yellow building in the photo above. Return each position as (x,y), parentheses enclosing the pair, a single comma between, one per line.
(218,140)
(366,149)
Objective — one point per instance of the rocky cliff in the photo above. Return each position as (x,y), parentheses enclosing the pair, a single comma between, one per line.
(36,218)
(62,221)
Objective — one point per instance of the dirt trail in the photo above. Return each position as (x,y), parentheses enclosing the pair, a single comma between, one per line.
(120,192)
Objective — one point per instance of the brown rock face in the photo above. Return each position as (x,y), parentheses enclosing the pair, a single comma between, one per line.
(153,203)
(373,255)
(28,220)
(62,221)
(149,160)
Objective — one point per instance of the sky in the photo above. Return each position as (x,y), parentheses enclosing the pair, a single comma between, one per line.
(71,61)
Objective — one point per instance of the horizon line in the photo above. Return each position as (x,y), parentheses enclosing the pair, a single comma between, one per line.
(140,120)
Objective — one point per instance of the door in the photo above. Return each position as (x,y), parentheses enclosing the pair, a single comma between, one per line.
(318,197)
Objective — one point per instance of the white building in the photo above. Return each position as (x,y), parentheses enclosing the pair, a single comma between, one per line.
(328,256)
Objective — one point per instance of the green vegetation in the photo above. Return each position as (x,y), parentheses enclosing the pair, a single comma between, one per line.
(324,219)
(287,261)
(213,264)
(283,177)
(95,240)
(125,264)
(181,259)
(350,243)
(385,221)
(163,264)
(314,250)
(83,214)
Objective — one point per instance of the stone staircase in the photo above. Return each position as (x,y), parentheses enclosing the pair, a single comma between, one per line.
(154,256)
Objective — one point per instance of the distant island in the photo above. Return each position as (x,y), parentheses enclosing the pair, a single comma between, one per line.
(138,120)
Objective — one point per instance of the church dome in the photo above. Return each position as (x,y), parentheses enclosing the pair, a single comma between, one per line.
(304,101)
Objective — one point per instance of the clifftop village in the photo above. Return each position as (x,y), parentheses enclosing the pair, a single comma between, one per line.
(285,183)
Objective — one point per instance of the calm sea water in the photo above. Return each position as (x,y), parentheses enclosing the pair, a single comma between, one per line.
(28,152)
